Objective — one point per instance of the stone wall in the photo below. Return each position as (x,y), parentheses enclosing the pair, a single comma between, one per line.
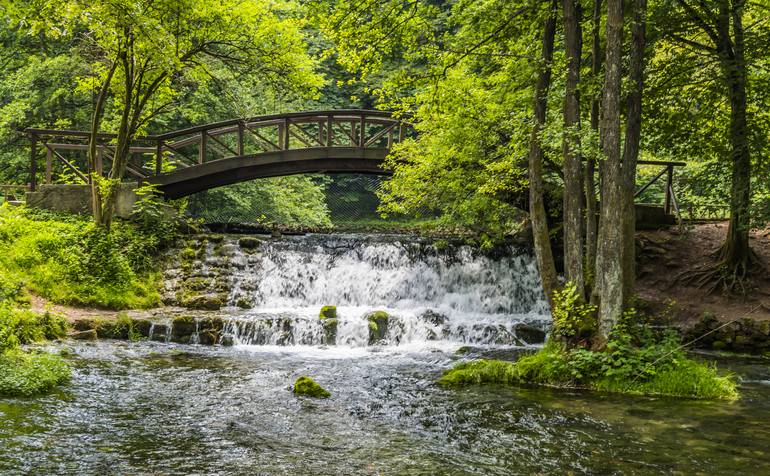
(77,199)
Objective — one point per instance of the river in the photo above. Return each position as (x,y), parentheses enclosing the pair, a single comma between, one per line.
(164,408)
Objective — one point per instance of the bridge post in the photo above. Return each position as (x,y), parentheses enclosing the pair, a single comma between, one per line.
(202,150)
(329,134)
(48,166)
(362,132)
(240,138)
(285,136)
(159,157)
(33,163)
(669,184)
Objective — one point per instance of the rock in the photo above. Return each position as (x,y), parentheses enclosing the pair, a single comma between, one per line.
(249,243)
(142,327)
(227,340)
(434,318)
(84,335)
(330,330)
(207,337)
(182,329)
(328,312)
(112,329)
(84,324)
(378,326)
(159,333)
(306,386)
(718,345)
(209,302)
(243,303)
(530,334)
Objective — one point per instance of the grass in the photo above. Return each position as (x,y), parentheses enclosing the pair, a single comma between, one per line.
(554,366)
(69,260)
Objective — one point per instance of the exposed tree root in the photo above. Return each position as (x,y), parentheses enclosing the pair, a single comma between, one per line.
(729,278)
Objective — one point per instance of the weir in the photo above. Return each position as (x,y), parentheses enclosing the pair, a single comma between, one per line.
(271,291)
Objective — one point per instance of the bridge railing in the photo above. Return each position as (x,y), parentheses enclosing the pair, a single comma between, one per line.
(157,154)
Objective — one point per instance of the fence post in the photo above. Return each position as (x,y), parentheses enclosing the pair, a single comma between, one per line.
(240,138)
(48,166)
(202,151)
(329,133)
(669,181)
(362,137)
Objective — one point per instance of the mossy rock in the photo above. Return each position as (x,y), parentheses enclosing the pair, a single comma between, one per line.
(187,254)
(89,334)
(159,332)
(208,337)
(378,326)
(244,303)
(718,345)
(85,324)
(142,327)
(182,328)
(307,387)
(328,312)
(209,302)
(248,243)
(530,334)
(330,330)
(434,318)
(112,329)
(196,284)
(227,340)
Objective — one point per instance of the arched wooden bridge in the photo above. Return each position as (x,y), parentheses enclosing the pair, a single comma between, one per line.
(191,160)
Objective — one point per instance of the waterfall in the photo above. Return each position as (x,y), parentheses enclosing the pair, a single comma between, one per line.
(273,290)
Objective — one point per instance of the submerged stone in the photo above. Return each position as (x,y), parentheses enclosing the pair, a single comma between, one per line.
(89,334)
(306,386)
(378,326)
(434,318)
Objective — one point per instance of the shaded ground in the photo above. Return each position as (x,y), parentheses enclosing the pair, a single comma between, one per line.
(663,255)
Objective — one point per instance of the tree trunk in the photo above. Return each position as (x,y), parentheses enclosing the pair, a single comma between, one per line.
(631,145)
(536,205)
(590,170)
(609,262)
(736,252)
(94,158)
(573,193)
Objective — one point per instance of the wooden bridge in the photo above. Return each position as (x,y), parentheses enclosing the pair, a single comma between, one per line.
(191,160)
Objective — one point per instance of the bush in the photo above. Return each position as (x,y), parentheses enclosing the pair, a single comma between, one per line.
(22,326)
(69,260)
(26,374)
(573,319)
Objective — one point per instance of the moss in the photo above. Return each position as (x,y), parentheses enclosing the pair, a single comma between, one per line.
(378,326)
(718,345)
(308,387)
(328,312)
(187,254)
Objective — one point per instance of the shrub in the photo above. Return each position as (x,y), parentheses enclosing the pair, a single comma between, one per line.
(22,326)
(26,374)
(573,319)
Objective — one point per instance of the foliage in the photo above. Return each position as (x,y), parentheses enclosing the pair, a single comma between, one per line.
(573,319)
(22,326)
(634,361)
(292,200)
(67,259)
(28,374)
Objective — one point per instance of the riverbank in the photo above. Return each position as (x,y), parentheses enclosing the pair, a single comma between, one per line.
(663,256)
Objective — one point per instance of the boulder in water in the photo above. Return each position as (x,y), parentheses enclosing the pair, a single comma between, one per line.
(248,243)
(378,326)
(435,318)
(182,328)
(89,334)
(529,334)
(210,302)
(306,386)
(330,330)
(328,312)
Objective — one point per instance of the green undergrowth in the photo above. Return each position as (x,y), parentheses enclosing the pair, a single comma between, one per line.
(679,376)
(634,361)
(69,260)
(26,374)
(29,373)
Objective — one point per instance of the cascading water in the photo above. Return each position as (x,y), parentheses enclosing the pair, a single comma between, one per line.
(273,290)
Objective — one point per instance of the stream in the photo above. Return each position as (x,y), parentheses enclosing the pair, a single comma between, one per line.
(164,408)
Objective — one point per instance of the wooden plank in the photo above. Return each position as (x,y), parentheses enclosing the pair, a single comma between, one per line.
(68,164)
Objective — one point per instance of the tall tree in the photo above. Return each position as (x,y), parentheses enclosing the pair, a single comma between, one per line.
(590,167)
(609,259)
(716,28)
(537,213)
(631,143)
(573,170)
